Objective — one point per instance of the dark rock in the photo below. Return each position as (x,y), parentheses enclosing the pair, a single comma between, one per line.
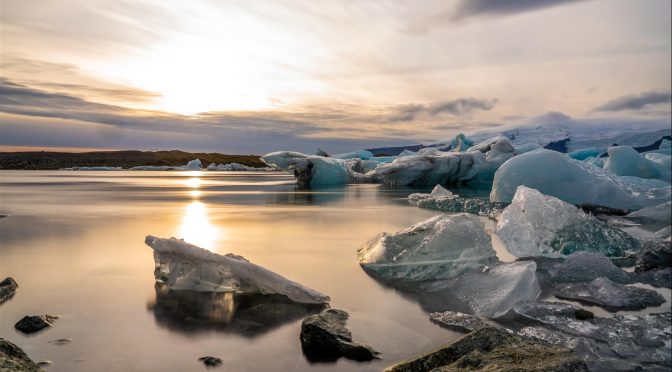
(7,289)
(460,322)
(583,314)
(602,210)
(657,278)
(654,255)
(607,294)
(35,323)
(494,349)
(324,336)
(210,361)
(12,359)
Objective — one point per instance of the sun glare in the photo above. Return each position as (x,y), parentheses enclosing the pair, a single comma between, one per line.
(196,227)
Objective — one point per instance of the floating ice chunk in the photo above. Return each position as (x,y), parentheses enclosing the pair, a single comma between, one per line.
(587,266)
(661,213)
(283,159)
(584,154)
(440,192)
(437,248)
(407,153)
(536,224)
(456,204)
(359,154)
(494,291)
(597,162)
(605,293)
(183,266)
(192,165)
(461,143)
(527,147)
(236,167)
(576,182)
(626,161)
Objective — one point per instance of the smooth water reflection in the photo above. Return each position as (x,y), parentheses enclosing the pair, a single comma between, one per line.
(75,244)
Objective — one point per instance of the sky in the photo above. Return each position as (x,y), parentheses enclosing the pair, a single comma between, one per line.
(258,76)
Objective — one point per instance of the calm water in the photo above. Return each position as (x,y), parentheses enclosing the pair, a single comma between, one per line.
(74,241)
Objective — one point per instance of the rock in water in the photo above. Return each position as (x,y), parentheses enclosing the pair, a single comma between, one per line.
(210,361)
(183,266)
(492,292)
(576,182)
(535,224)
(460,322)
(325,335)
(585,267)
(7,289)
(438,248)
(605,293)
(12,359)
(35,323)
(494,349)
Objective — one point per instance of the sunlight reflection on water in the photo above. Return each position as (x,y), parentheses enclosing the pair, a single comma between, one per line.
(196,227)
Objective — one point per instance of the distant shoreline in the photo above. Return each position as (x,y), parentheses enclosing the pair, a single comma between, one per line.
(52,160)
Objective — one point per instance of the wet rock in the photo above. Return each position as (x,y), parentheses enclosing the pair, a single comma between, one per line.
(35,323)
(457,321)
(542,334)
(654,255)
(12,358)
(324,336)
(607,294)
(494,349)
(7,289)
(210,361)
(657,278)
(587,266)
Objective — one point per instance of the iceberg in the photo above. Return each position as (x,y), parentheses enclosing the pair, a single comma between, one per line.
(360,154)
(182,266)
(661,159)
(317,171)
(527,147)
(596,162)
(607,294)
(192,165)
(440,247)
(235,167)
(576,182)
(535,224)
(582,267)
(625,161)
(492,291)
(461,143)
(584,154)
(661,213)
(438,200)
(94,168)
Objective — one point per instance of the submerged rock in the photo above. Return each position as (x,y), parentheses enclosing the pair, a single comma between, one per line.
(210,361)
(535,224)
(182,266)
(7,289)
(605,293)
(440,247)
(325,336)
(457,321)
(12,358)
(491,291)
(494,349)
(576,182)
(35,323)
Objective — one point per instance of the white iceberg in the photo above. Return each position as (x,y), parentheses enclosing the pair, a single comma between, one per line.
(317,171)
(182,266)
(359,154)
(234,167)
(576,182)
(437,248)
(193,165)
(527,147)
(663,160)
(535,224)
(626,161)
(494,291)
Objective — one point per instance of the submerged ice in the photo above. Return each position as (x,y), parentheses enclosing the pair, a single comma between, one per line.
(182,266)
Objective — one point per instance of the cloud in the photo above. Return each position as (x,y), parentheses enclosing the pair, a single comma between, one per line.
(457,107)
(474,8)
(637,101)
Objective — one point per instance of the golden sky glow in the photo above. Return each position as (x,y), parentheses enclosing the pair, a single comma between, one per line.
(157,74)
